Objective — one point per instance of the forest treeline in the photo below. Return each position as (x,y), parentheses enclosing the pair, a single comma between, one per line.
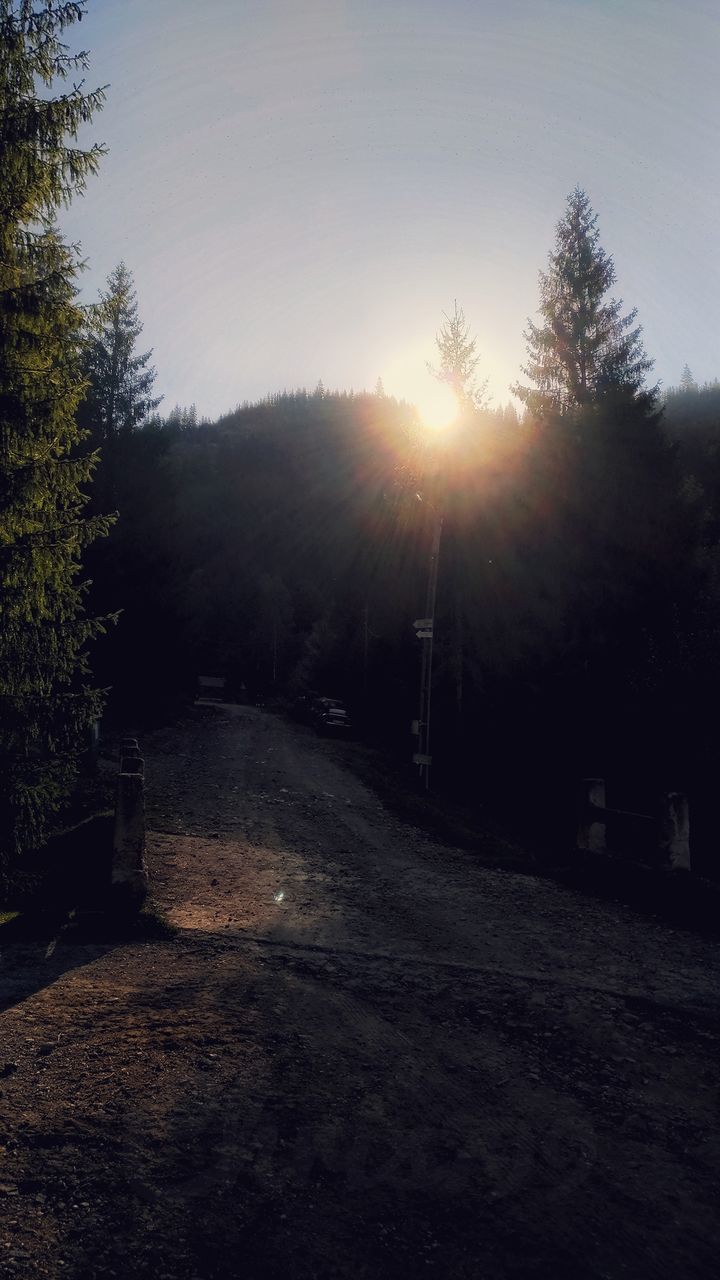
(286,546)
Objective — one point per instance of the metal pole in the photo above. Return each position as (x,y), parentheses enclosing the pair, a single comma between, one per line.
(427,651)
(421,746)
(366,611)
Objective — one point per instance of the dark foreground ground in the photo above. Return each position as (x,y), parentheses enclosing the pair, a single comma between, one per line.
(366,1054)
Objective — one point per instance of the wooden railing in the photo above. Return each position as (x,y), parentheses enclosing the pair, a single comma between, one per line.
(670,827)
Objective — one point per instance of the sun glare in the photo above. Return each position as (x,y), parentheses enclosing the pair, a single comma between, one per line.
(409,379)
(437,406)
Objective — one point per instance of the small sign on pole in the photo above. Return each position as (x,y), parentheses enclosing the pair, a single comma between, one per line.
(423,622)
(419,758)
(415,727)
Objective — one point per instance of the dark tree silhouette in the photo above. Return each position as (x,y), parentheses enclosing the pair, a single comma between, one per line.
(607,564)
(585,351)
(45,702)
(119,396)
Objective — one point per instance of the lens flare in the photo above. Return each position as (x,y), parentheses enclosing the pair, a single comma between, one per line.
(408,378)
(438,406)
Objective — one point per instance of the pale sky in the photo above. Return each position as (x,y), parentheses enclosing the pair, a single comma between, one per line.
(301,187)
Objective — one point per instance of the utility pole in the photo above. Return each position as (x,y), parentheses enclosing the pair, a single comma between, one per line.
(366,612)
(425,628)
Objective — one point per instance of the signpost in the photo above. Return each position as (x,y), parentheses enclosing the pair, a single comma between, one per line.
(424,628)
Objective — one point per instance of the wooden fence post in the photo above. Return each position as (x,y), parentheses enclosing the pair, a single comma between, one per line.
(129,872)
(675,832)
(132,764)
(591,835)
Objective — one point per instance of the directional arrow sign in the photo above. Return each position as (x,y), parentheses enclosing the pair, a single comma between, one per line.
(423,622)
(424,635)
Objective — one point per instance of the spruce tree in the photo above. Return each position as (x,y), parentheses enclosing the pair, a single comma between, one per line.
(458,361)
(586,352)
(44,699)
(606,558)
(687,380)
(119,395)
(445,483)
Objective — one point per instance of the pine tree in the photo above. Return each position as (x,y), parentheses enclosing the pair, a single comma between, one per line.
(606,561)
(687,380)
(119,395)
(446,479)
(586,352)
(458,361)
(43,633)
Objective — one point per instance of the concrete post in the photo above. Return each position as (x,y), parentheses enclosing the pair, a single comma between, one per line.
(132,764)
(129,872)
(93,746)
(675,832)
(591,828)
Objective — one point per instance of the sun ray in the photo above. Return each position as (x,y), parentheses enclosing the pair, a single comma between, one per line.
(408,378)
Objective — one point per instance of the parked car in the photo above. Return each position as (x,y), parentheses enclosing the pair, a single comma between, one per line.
(330,716)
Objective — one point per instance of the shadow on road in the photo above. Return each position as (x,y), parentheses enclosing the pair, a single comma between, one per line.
(34,953)
(307,1114)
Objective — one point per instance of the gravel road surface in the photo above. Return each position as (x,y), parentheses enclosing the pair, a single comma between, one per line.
(365,1055)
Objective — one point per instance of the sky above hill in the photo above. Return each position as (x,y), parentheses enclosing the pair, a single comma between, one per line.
(301,188)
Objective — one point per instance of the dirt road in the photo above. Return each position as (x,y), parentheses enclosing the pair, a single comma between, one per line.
(364,1056)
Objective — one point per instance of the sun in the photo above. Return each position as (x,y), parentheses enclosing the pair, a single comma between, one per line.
(437,405)
(409,379)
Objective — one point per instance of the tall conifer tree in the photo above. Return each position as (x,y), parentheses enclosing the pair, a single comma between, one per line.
(607,559)
(119,396)
(44,700)
(586,352)
(458,361)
